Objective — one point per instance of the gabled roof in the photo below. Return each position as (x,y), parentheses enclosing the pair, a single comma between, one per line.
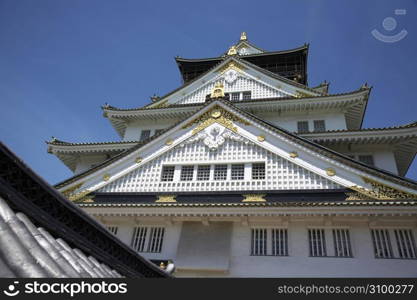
(340,161)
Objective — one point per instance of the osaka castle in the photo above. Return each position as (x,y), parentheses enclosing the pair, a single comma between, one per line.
(247,171)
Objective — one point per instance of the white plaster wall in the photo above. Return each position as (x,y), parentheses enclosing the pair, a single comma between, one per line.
(298,263)
(333,120)
(134,129)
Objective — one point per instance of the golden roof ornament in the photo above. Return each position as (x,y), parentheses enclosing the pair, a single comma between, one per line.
(243,36)
(232,51)
(218,91)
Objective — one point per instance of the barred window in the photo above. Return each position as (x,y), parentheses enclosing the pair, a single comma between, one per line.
(382,243)
(247,95)
(279,242)
(406,243)
(366,159)
(113,229)
(203,173)
(302,127)
(269,241)
(235,96)
(144,134)
(258,171)
(259,238)
(220,172)
(317,242)
(148,239)
(187,173)
(319,125)
(167,173)
(238,172)
(341,242)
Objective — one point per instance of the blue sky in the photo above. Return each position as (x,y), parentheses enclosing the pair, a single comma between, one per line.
(61,60)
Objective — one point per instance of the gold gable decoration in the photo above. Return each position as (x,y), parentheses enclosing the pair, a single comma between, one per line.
(166,199)
(381,191)
(218,91)
(254,198)
(71,190)
(232,66)
(215,115)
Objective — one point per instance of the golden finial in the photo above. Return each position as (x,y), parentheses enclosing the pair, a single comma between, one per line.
(232,51)
(162,265)
(243,36)
(218,91)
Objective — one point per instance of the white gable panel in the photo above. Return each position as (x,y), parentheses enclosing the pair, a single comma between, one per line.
(241,84)
(281,174)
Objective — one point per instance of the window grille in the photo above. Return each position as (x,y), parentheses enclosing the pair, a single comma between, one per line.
(203,173)
(302,127)
(366,159)
(148,239)
(341,242)
(382,243)
(235,96)
(187,173)
(220,172)
(167,173)
(406,243)
(279,242)
(259,240)
(238,172)
(317,242)
(258,171)
(247,95)
(144,134)
(319,126)
(113,229)
(139,238)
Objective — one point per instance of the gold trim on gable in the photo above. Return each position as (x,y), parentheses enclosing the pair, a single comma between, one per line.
(254,198)
(166,199)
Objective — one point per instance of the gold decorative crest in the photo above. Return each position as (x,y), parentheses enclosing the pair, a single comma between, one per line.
(254,198)
(382,192)
(243,36)
(71,190)
(231,66)
(138,160)
(293,154)
(232,51)
(166,199)
(261,138)
(330,172)
(106,177)
(169,142)
(215,115)
(78,196)
(218,91)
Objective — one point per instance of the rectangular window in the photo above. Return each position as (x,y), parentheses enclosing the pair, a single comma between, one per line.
(148,239)
(366,159)
(187,173)
(167,173)
(203,173)
(247,95)
(302,127)
(259,238)
(319,126)
(279,242)
(341,242)
(235,96)
(113,229)
(220,172)
(139,238)
(156,238)
(238,172)
(258,171)
(317,242)
(382,243)
(406,243)
(144,135)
